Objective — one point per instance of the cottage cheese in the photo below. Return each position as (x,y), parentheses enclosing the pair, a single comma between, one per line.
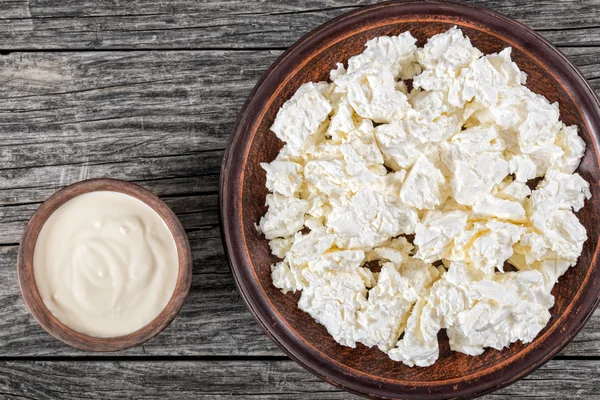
(451,164)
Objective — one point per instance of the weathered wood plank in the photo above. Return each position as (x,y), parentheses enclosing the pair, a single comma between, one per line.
(587,60)
(213,321)
(127,103)
(142,116)
(232,24)
(584,36)
(146,117)
(199,173)
(275,379)
(139,116)
(162,119)
(121,104)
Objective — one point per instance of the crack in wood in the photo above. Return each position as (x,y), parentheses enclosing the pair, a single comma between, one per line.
(127,84)
(6,51)
(300,12)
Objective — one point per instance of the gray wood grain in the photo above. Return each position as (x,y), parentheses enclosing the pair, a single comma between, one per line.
(48,24)
(161,119)
(274,379)
(213,322)
(141,116)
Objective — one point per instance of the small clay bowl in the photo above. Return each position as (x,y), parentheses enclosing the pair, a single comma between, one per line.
(32,297)
(368,371)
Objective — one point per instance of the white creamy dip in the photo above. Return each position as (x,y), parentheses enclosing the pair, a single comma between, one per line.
(105,264)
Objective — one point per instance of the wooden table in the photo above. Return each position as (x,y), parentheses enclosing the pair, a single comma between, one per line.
(148,91)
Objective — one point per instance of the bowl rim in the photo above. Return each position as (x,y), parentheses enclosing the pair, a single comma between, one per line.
(36,305)
(230,202)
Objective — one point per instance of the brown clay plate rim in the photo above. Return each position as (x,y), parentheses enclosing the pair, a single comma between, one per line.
(34,301)
(232,175)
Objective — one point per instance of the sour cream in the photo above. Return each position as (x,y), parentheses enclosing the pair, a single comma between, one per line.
(105,264)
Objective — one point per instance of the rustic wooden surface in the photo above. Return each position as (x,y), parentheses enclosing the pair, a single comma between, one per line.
(148,91)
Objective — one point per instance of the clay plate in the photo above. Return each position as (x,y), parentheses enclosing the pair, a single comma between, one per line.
(366,371)
(32,297)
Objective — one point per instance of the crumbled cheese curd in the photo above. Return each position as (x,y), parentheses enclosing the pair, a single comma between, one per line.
(449,165)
